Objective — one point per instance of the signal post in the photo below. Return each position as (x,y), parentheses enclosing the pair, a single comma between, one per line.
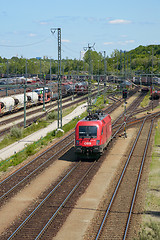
(125,97)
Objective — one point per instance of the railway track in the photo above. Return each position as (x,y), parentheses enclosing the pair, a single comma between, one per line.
(16,181)
(9,194)
(58,201)
(54,204)
(20,230)
(115,221)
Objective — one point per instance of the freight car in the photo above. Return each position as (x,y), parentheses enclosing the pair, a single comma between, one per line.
(81,88)
(145,89)
(92,134)
(155,95)
(16,102)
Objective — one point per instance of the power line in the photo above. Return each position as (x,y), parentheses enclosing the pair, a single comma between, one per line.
(25,45)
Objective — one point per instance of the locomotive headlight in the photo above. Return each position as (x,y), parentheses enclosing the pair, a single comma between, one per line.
(97,142)
(77,142)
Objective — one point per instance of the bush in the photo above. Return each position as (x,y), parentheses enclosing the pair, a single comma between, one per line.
(30,150)
(52,115)
(15,132)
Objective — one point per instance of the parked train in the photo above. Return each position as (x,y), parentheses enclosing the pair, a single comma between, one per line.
(81,88)
(35,96)
(92,134)
(15,102)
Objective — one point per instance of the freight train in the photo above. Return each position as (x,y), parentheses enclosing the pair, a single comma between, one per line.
(92,135)
(15,102)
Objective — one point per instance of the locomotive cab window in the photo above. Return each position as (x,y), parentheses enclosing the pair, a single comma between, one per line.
(102,132)
(87,131)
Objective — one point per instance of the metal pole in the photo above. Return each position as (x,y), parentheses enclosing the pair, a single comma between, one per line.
(89,78)
(59,101)
(105,68)
(89,81)
(44,98)
(98,78)
(121,62)
(124,64)
(125,134)
(50,70)
(152,78)
(59,74)
(25,97)
(7,78)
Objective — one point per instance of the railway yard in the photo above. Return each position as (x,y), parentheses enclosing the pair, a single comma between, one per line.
(52,195)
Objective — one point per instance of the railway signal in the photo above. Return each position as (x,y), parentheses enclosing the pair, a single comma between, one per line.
(124,93)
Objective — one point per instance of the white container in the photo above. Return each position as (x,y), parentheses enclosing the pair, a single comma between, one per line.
(32,97)
(8,104)
(19,100)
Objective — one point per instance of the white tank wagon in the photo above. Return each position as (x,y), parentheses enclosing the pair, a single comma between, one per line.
(6,104)
(19,100)
(32,97)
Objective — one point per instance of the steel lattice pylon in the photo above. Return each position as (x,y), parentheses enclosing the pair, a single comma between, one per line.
(59,101)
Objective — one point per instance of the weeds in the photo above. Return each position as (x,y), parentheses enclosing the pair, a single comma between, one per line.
(151,231)
(15,132)
(52,115)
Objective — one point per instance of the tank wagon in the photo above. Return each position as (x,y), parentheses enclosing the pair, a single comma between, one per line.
(92,134)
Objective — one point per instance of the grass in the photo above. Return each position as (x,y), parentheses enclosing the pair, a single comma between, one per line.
(146,100)
(17,133)
(150,231)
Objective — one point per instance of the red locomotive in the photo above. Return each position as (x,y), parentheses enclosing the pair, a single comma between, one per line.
(92,134)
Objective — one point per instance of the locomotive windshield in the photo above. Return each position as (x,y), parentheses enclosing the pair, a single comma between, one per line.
(87,131)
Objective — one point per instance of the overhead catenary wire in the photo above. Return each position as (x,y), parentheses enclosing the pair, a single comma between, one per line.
(24,45)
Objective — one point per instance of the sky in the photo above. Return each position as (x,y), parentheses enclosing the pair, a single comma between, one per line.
(25,26)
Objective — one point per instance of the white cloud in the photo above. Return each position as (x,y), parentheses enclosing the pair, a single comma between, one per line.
(43,23)
(108,43)
(129,41)
(119,21)
(126,42)
(32,34)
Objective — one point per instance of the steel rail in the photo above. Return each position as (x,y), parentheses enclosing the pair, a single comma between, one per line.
(138,180)
(132,122)
(11,189)
(119,182)
(36,158)
(64,202)
(43,201)
(136,101)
